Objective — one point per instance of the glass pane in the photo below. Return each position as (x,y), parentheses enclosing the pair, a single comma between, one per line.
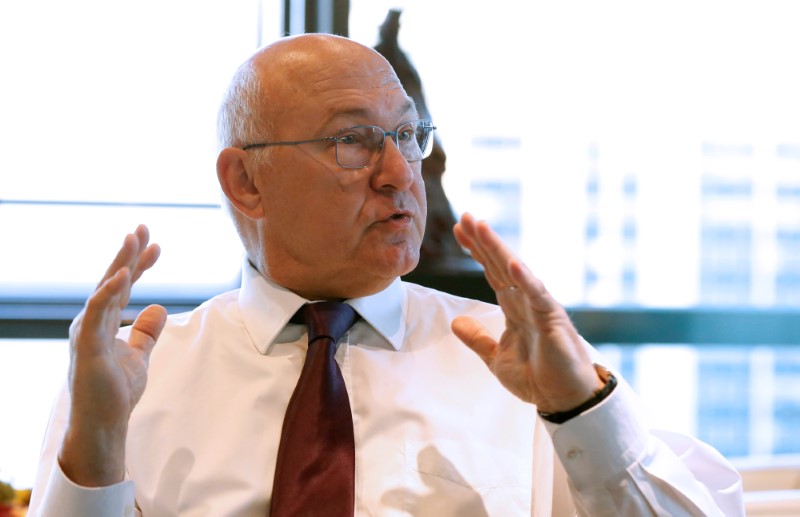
(31,374)
(109,116)
(654,150)
(68,247)
(745,401)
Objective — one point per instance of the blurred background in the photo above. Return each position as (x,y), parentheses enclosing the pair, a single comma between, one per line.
(643,158)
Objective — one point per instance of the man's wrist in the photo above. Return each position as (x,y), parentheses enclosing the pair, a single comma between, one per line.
(93,460)
(610,382)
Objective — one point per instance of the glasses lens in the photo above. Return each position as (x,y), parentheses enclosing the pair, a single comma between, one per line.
(357,147)
(413,139)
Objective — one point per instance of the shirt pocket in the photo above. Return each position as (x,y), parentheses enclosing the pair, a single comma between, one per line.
(447,477)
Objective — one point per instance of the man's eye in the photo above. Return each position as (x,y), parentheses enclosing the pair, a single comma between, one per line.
(348,139)
(405,135)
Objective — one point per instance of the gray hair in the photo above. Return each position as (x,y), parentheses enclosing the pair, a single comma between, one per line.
(241,119)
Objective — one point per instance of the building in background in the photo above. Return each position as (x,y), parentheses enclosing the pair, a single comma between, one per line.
(635,155)
(633,168)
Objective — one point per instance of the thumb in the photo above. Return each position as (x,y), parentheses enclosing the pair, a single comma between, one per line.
(474,335)
(147,327)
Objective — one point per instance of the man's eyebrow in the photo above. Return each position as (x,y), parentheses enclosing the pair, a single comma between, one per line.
(353,113)
(407,106)
(363,113)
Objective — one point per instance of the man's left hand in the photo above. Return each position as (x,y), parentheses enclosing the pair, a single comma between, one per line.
(540,357)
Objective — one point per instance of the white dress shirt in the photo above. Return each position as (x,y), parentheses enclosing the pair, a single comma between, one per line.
(435,433)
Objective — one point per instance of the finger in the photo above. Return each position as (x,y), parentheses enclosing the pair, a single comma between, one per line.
(476,232)
(128,254)
(507,270)
(137,256)
(99,320)
(142,232)
(460,233)
(463,232)
(147,259)
(472,334)
(540,298)
(147,327)
(497,253)
(493,253)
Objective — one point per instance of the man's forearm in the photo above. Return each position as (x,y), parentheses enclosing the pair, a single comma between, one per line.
(94,457)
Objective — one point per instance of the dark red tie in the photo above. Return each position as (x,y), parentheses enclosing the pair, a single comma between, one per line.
(314,474)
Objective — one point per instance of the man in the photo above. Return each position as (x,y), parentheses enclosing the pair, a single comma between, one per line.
(329,209)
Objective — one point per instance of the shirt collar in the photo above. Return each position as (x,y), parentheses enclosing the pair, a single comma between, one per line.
(266,308)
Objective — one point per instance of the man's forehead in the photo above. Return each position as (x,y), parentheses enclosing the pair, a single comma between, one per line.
(390,112)
(369,72)
(333,80)
(342,90)
(389,78)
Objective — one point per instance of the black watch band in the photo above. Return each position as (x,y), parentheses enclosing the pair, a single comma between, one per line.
(600,396)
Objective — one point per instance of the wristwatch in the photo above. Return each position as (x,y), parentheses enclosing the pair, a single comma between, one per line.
(610,383)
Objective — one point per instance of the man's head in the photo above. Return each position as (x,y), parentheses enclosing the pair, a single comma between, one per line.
(319,229)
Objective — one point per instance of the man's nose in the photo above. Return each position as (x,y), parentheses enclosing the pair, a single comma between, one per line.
(392,172)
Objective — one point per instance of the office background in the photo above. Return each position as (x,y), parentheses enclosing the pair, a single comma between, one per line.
(643,159)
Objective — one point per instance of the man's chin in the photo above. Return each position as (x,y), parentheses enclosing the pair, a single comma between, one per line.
(406,262)
(394,266)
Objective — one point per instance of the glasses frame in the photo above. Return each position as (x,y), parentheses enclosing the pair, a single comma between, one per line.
(427,124)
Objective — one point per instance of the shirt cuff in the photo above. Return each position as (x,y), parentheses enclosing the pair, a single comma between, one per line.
(602,443)
(63,497)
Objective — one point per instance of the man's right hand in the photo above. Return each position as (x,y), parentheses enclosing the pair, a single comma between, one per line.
(107,375)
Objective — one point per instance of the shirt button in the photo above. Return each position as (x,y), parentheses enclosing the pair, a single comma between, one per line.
(128,511)
(574,454)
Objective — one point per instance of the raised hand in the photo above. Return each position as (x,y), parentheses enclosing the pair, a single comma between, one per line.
(107,375)
(540,358)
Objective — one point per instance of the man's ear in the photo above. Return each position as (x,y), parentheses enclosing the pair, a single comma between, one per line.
(238,183)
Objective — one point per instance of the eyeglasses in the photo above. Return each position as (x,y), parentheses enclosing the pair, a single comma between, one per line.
(361,146)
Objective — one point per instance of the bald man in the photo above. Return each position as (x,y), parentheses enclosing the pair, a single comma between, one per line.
(458,407)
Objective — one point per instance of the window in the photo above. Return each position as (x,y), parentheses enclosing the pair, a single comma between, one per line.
(108,120)
(109,117)
(657,137)
(636,155)
(649,162)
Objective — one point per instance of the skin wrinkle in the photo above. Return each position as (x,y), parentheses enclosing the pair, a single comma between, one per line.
(358,250)
(390,80)
(359,116)
(356,205)
(296,81)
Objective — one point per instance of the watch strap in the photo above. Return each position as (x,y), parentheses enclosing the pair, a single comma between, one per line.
(598,397)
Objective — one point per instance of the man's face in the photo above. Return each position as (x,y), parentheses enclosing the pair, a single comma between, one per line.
(327,231)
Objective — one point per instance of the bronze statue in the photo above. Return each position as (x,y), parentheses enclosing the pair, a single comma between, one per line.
(439,248)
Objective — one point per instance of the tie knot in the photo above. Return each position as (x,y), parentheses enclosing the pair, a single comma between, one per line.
(327,319)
